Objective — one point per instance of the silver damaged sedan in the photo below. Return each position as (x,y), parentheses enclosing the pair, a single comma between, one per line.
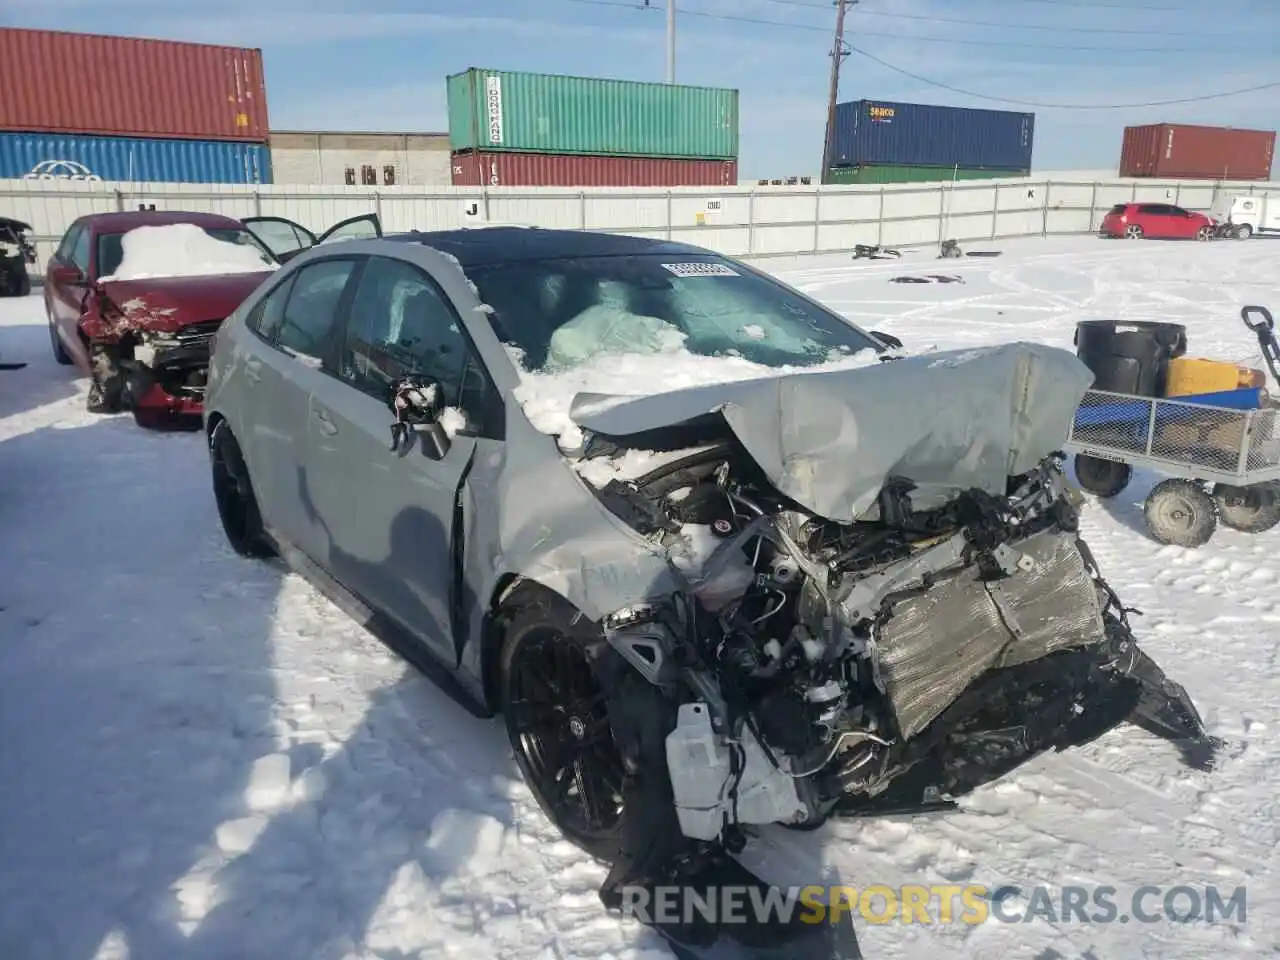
(823,578)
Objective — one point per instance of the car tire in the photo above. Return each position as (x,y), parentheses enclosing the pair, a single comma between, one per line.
(55,342)
(1180,513)
(1244,231)
(1102,478)
(234,495)
(1204,234)
(1133,232)
(549,692)
(106,393)
(1251,509)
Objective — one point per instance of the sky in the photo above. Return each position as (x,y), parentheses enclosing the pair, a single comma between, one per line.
(381,64)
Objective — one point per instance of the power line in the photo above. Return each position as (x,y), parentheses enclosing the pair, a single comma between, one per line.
(1062,4)
(1064,106)
(971,93)
(1030,26)
(954,41)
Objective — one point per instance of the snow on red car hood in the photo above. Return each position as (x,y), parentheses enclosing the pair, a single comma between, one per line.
(165,304)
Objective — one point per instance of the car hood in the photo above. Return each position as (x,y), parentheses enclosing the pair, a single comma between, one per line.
(168,303)
(830,440)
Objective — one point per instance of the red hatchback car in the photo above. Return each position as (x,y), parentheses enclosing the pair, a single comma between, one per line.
(1155,221)
(145,343)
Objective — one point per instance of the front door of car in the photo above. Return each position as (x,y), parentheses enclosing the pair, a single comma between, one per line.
(1159,221)
(286,239)
(68,282)
(296,323)
(1182,223)
(389,514)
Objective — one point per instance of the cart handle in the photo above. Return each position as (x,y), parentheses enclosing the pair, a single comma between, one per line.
(1265,323)
(1264,328)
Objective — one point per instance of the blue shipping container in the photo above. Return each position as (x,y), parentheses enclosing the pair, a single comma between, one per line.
(33,155)
(914,134)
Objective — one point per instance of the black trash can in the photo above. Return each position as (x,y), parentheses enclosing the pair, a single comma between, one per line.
(1130,358)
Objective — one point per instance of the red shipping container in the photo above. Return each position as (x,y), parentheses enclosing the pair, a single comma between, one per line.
(492,169)
(56,82)
(1183,151)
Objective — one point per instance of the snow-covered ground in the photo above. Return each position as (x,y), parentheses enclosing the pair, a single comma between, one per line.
(202,758)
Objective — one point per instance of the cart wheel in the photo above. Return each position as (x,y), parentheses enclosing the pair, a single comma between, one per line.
(1180,512)
(1251,509)
(1102,478)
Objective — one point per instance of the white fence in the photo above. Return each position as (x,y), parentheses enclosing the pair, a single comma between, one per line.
(738,221)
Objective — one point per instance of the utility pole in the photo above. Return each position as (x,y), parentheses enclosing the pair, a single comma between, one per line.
(671,41)
(671,37)
(838,53)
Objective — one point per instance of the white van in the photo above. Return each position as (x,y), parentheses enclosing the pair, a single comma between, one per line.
(1248,214)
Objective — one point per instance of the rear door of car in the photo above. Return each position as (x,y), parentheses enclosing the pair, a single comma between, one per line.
(295,325)
(389,515)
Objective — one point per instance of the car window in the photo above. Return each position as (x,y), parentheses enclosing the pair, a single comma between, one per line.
(1157,209)
(312,306)
(111,247)
(80,251)
(400,324)
(565,312)
(281,237)
(265,318)
(1119,208)
(69,242)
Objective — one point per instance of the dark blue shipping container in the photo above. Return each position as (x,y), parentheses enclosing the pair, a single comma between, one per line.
(133,159)
(915,134)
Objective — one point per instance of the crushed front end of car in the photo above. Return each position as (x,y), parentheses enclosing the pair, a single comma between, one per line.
(884,601)
(150,341)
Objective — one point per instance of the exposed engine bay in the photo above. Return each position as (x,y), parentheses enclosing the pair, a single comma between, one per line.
(818,669)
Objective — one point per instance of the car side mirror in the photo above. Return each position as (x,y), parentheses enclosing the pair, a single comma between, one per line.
(66,273)
(416,403)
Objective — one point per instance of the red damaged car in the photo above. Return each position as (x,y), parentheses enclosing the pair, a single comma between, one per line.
(137,311)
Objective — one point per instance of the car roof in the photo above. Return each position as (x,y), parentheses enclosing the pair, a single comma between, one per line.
(481,246)
(125,220)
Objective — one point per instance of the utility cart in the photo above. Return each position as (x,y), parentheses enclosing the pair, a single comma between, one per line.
(1220,450)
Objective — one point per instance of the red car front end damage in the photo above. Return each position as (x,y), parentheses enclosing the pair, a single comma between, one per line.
(149,340)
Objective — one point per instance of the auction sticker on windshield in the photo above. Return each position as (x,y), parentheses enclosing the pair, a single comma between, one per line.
(701,270)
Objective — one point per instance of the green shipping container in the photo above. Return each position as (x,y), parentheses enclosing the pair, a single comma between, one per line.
(885,173)
(544,113)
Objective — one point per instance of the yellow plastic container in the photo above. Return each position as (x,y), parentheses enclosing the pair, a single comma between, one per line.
(1191,375)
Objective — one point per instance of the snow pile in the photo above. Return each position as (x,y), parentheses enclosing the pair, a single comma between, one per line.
(453,420)
(183,250)
(546,397)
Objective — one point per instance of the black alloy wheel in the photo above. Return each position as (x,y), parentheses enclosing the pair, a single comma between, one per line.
(558,723)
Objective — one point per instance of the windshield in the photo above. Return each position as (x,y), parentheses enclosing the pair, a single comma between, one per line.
(561,313)
(111,251)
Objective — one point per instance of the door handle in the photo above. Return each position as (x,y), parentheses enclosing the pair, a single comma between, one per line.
(327,426)
(253,369)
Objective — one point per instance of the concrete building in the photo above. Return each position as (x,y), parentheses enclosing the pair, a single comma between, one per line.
(335,157)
